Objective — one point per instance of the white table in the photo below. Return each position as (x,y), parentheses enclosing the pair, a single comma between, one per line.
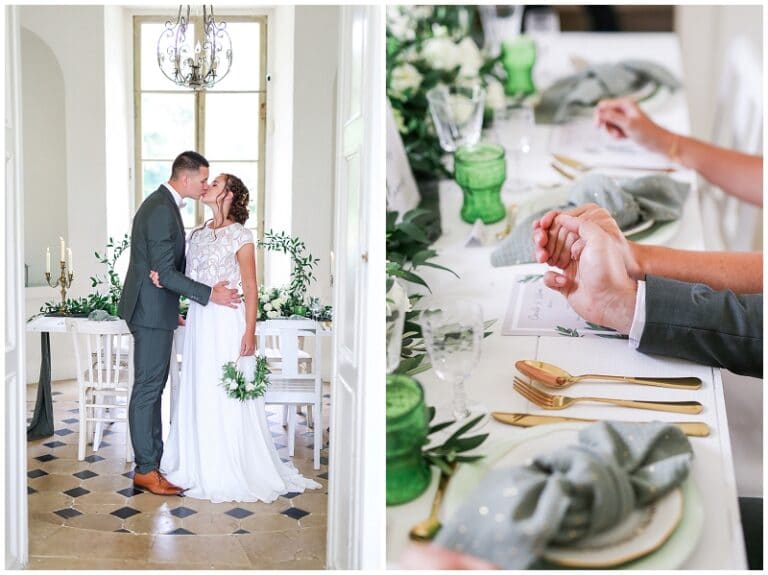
(721,544)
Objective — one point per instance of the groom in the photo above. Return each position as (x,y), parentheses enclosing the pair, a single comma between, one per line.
(152,314)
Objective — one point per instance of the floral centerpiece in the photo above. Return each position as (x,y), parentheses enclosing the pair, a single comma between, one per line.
(427,46)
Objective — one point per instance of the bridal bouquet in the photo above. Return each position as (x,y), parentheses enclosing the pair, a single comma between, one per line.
(250,382)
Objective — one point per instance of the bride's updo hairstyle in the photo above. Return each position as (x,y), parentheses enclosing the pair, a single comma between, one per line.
(238,211)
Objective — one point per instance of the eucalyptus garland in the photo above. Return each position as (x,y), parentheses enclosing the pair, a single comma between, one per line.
(302,263)
(233,380)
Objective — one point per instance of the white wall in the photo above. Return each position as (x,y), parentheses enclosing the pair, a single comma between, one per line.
(45,166)
(704,35)
(314,102)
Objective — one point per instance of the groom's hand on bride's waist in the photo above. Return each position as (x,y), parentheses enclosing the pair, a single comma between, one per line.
(225,296)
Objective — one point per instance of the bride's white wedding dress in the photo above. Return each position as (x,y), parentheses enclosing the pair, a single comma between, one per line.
(220,448)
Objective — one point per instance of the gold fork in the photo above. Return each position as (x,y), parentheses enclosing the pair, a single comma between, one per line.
(550,401)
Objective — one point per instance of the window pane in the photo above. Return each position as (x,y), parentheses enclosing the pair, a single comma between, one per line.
(167,125)
(232,126)
(154,174)
(245,73)
(248,172)
(152,77)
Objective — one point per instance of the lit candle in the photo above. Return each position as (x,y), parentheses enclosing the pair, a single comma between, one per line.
(48,260)
(69,259)
(62,248)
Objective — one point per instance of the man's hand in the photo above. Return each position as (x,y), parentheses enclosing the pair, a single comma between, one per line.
(155,277)
(248,344)
(222,295)
(595,281)
(553,243)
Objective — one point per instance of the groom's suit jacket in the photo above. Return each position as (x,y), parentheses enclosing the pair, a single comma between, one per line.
(158,243)
(695,322)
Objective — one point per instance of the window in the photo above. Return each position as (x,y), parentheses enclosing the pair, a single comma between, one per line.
(225,123)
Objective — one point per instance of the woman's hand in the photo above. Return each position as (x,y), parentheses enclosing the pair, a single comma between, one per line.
(623,118)
(155,277)
(248,344)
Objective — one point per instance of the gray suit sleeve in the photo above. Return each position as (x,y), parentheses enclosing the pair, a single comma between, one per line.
(161,259)
(695,322)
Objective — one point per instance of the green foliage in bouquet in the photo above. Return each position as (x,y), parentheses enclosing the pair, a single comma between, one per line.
(233,380)
(427,46)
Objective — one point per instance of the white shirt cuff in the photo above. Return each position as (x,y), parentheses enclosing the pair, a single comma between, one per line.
(638,322)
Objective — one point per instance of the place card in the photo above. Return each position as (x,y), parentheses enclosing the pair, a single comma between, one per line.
(534,309)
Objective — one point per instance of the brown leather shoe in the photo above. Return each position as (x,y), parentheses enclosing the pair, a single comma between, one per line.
(154,482)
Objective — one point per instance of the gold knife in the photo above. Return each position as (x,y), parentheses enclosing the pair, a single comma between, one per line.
(562,171)
(692,428)
(582,167)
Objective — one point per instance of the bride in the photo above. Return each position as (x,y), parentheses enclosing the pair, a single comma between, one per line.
(220,448)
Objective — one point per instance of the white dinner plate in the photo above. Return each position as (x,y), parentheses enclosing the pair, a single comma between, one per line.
(640,227)
(659,537)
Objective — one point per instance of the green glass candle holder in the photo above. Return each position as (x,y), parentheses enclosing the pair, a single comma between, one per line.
(408,474)
(518,56)
(480,171)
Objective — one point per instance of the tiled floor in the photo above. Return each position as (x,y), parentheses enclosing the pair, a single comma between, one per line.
(87,515)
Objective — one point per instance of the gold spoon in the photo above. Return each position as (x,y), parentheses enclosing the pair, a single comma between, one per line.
(426,529)
(552,376)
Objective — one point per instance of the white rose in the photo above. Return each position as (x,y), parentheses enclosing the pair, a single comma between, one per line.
(494,94)
(249,387)
(272,314)
(405,77)
(232,385)
(399,24)
(422,12)
(267,306)
(440,53)
(469,57)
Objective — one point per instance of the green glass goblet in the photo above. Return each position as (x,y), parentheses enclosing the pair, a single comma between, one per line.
(518,56)
(408,474)
(480,171)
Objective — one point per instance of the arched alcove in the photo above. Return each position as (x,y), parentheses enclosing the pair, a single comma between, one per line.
(44,156)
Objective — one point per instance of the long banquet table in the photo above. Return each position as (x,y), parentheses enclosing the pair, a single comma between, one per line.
(720,545)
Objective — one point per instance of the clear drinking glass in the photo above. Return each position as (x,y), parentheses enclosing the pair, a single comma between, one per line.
(457,112)
(515,131)
(452,335)
(315,308)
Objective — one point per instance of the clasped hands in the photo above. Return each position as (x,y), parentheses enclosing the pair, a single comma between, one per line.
(599,272)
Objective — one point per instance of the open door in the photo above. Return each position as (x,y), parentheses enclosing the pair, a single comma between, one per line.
(356,508)
(16,535)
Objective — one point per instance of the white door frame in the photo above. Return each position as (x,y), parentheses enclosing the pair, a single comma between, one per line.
(14,454)
(356,507)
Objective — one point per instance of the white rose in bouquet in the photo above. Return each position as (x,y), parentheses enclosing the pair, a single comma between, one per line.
(440,53)
(249,386)
(272,314)
(405,77)
(232,385)
(399,23)
(469,57)
(267,306)
(494,94)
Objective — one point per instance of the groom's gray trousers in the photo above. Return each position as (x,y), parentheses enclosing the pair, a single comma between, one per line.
(151,360)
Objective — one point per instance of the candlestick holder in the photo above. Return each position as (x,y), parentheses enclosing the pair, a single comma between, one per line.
(64,282)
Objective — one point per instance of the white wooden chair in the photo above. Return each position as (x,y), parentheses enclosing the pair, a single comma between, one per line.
(732,224)
(104,382)
(291,386)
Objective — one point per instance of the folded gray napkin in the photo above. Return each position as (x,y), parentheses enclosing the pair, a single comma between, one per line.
(630,202)
(514,514)
(596,82)
(101,315)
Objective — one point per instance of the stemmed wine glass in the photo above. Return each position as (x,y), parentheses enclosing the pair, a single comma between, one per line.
(515,132)
(452,335)
(315,308)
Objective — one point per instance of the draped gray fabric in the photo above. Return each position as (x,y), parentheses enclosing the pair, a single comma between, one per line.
(579,490)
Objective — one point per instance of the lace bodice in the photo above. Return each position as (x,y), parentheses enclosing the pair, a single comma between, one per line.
(212,259)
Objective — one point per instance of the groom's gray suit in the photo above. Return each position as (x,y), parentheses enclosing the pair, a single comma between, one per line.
(157,243)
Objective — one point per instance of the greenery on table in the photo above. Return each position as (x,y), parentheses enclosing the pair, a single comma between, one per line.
(446,455)
(427,46)
(96,300)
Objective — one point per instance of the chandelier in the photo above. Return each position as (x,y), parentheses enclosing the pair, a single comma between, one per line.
(201,67)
